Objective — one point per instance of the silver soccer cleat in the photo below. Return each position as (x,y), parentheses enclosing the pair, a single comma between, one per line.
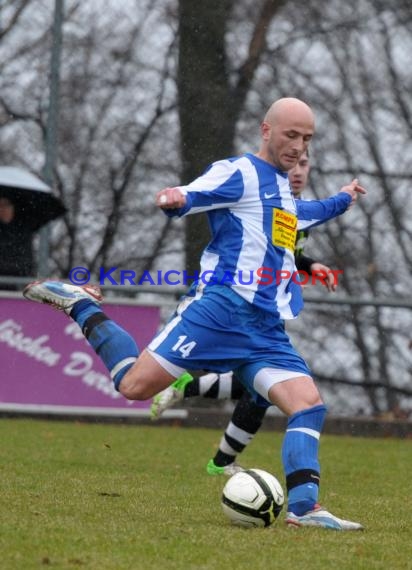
(61,296)
(319,517)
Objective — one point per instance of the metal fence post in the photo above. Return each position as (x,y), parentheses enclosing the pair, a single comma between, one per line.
(51,128)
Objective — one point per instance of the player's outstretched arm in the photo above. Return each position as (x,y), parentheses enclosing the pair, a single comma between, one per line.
(314,212)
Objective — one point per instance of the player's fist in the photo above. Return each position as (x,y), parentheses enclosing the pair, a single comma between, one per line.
(170,198)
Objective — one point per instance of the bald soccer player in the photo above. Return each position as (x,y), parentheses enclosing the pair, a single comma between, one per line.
(234,318)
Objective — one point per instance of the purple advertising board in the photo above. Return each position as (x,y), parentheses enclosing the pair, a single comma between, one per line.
(46,364)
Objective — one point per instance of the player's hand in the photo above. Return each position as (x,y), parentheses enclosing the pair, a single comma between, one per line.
(170,198)
(353,189)
(325,274)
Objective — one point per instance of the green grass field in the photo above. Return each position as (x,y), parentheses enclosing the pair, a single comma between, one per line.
(128,497)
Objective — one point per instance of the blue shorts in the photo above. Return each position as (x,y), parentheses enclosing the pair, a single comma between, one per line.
(219,331)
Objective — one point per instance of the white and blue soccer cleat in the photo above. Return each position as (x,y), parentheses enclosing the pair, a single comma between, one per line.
(61,296)
(321,518)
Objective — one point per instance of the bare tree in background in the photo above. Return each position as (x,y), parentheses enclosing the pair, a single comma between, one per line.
(114,140)
(135,73)
(10,13)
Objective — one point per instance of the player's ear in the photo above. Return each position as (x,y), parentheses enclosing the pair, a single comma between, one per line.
(265,130)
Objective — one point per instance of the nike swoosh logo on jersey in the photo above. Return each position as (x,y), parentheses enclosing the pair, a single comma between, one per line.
(269,195)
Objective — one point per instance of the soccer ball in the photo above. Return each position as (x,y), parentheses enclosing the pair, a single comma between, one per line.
(252,498)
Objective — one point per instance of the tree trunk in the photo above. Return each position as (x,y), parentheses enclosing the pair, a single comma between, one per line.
(206,121)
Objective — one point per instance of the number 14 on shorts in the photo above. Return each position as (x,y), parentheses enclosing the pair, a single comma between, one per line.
(184,347)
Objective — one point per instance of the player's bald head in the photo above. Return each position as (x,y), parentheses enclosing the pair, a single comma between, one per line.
(289,108)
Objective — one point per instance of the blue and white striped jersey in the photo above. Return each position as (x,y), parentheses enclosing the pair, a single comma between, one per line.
(253,218)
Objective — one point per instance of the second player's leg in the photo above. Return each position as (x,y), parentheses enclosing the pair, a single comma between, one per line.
(245,422)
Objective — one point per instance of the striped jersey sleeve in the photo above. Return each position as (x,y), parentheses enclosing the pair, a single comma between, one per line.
(221,186)
(314,212)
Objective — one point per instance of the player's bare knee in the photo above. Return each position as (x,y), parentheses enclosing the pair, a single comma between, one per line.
(311,398)
(312,402)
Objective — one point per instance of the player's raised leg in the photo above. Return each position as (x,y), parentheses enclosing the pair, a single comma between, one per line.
(136,377)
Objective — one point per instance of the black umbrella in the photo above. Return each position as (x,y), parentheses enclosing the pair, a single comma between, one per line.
(34,203)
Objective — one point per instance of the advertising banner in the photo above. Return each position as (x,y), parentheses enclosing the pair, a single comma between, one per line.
(47,364)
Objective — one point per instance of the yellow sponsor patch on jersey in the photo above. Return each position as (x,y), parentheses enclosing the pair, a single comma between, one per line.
(284,227)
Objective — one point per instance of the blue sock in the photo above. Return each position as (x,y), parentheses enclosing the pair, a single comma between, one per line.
(300,458)
(113,344)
